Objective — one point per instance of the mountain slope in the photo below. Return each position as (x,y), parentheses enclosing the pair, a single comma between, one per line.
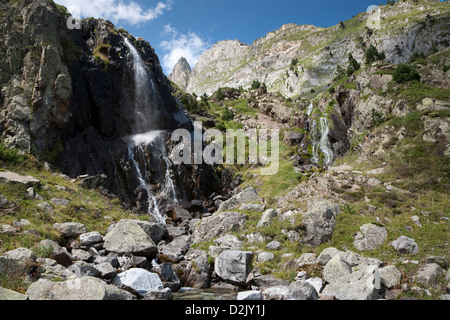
(295,59)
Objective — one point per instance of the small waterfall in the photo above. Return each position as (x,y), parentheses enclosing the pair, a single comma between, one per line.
(320,139)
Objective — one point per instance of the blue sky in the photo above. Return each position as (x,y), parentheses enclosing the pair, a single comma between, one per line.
(186,28)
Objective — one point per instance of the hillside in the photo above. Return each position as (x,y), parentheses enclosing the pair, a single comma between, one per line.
(93,206)
(295,59)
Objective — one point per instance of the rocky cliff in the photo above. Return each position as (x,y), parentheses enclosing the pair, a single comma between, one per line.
(295,59)
(181,73)
(69,97)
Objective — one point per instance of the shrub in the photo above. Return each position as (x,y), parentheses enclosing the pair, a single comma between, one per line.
(10,155)
(353,65)
(373,55)
(228,115)
(256,85)
(219,95)
(405,73)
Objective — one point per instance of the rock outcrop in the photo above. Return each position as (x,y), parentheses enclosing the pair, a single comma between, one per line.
(181,73)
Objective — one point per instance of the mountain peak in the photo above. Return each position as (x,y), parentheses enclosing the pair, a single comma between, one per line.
(181,73)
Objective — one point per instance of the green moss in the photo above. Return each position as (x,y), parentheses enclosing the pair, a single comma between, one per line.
(101,53)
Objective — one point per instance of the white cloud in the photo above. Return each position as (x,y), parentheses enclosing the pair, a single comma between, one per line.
(189,46)
(116,10)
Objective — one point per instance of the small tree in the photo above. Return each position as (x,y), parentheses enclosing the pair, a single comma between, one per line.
(340,73)
(342,25)
(373,55)
(405,73)
(219,95)
(353,65)
(256,85)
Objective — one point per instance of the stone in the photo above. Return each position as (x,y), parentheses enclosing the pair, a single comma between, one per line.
(106,270)
(70,229)
(267,217)
(306,259)
(327,254)
(4,203)
(265,256)
(406,245)
(441,261)
(21,223)
(51,270)
(14,178)
(370,237)
(302,290)
(416,220)
(227,242)
(266,281)
(335,269)
(359,285)
(319,221)
(45,207)
(274,245)
(255,207)
(60,202)
(317,283)
(90,238)
(293,138)
(390,276)
(87,288)
(81,255)
(358,262)
(159,294)
(302,275)
(128,237)
(56,252)
(174,251)
(429,275)
(7,230)
(195,270)
(231,265)
(218,225)
(83,269)
(140,280)
(9,295)
(253,295)
(19,255)
(246,196)
(277,293)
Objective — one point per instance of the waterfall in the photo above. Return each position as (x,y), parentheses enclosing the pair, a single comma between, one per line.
(320,139)
(155,163)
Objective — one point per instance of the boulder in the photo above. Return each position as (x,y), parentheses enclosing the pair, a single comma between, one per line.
(317,283)
(249,296)
(360,285)
(277,293)
(56,252)
(246,196)
(9,295)
(51,270)
(70,229)
(60,202)
(87,288)
(265,256)
(45,207)
(174,251)
(406,245)
(293,138)
(302,290)
(227,242)
(14,178)
(140,280)
(390,277)
(7,230)
(159,294)
(429,274)
(4,203)
(370,237)
(231,265)
(255,207)
(327,254)
(267,217)
(274,245)
(195,270)
(217,225)
(90,238)
(306,259)
(335,269)
(319,221)
(128,237)
(266,281)
(83,269)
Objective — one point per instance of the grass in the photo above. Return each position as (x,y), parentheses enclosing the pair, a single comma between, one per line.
(101,53)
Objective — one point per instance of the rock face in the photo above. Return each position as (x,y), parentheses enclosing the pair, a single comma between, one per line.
(181,73)
(294,59)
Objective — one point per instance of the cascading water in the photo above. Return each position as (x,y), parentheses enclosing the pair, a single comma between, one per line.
(148,137)
(321,142)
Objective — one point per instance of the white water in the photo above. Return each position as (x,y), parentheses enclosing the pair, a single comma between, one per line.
(321,141)
(146,110)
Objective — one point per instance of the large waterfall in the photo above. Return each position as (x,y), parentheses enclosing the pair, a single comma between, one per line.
(147,152)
